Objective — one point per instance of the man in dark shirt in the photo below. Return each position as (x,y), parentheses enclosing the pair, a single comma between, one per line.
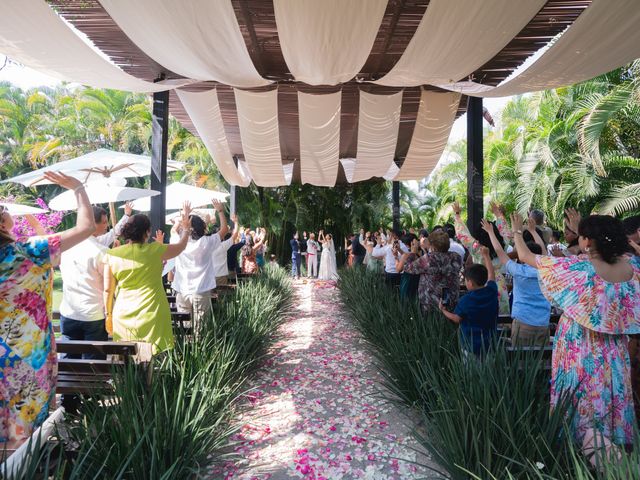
(295,256)
(477,311)
(357,249)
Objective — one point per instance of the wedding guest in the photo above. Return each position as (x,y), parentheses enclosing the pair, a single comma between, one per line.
(28,362)
(108,237)
(195,269)
(296,258)
(303,252)
(248,252)
(220,254)
(439,271)
(357,249)
(632,230)
(530,310)
(312,256)
(390,252)
(475,243)
(477,311)
(599,294)
(140,311)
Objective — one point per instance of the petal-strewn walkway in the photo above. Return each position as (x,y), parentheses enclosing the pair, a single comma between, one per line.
(316,410)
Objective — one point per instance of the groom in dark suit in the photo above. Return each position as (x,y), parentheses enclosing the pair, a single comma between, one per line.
(296,258)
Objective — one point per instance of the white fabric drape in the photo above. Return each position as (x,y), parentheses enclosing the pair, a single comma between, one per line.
(605,36)
(327,42)
(260,135)
(32,34)
(204,110)
(349,167)
(378,124)
(456,37)
(198,39)
(319,137)
(436,115)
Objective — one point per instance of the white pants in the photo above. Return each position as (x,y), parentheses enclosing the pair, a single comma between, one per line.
(312,264)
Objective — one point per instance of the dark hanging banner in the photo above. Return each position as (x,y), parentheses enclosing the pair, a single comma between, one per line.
(475,161)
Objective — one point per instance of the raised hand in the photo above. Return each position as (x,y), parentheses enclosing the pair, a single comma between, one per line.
(573,219)
(59,178)
(217,205)
(635,246)
(484,251)
(159,238)
(128,209)
(556,251)
(234,218)
(487,226)
(531,224)
(516,222)
(186,213)
(456,208)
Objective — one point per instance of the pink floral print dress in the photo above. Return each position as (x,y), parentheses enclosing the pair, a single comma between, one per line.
(590,354)
(28,363)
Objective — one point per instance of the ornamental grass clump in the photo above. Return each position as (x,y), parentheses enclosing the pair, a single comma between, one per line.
(175,426)
(484,419)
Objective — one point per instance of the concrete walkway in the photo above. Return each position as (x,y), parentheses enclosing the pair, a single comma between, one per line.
(316,410)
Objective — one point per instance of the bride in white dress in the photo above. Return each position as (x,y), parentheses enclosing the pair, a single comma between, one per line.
(328,267)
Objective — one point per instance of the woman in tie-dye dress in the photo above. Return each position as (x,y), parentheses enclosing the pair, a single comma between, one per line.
(600,297)
(28,365)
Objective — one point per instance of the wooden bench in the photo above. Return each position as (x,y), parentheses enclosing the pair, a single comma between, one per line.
(83,376)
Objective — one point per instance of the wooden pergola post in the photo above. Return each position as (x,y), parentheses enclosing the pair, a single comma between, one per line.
(159,138)
(395,197)
(475,161)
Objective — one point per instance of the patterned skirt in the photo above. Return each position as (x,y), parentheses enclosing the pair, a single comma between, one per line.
(596,367)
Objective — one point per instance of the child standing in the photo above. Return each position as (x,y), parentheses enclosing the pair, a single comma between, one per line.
(477,311)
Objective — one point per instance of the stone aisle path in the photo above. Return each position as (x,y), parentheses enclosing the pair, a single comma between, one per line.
(316,411)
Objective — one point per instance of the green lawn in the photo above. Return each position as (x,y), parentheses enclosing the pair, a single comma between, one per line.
(57,290)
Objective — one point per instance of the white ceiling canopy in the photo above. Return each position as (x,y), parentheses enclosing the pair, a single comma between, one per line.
(436,115)
(605,36)
(319,137)
(378,124)
(260,134)
(32,34)
(455,38)
(197,39)
(327,42)
(204,110)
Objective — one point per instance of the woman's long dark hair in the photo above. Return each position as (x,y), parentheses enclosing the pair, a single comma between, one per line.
(483,239)
(607,233)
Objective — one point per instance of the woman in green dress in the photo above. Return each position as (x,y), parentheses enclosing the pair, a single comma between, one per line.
(140,312)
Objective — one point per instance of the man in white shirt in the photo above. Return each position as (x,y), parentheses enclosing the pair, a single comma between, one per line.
(195,273)
(220,254)
(312,256)
(454,246)
(391,253)
(82,314)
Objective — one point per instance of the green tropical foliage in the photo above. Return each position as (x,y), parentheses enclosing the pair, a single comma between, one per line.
(574,146)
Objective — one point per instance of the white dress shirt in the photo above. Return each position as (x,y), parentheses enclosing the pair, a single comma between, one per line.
(108,238)
(82,270)
(455,247)
(386,251)
(195,271)
(220,258)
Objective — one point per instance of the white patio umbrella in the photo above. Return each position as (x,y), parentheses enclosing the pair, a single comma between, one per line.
(15,209)
(99,165)
(100,192)
(178,193)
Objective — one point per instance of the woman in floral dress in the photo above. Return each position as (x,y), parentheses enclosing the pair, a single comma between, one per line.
(439,269)
(28,365)
(600,296)
(474,244)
